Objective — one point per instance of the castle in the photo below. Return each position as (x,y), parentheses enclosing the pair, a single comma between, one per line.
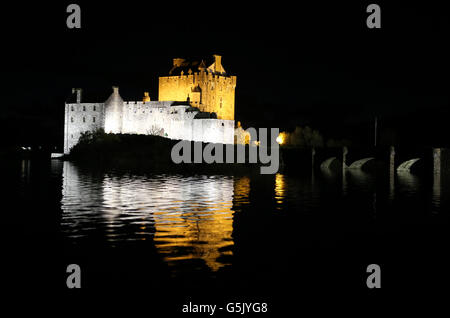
(195,103)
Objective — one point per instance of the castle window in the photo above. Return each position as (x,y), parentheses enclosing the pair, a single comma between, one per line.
(71,119)
(223,124)
(71,136)
(94,109)
(71,108)
(84,119)
(84,108)
(93,119)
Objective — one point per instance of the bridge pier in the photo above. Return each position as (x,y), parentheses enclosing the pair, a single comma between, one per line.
(392,159)
(437,161)
(436,177)
(391,172)
(344,157)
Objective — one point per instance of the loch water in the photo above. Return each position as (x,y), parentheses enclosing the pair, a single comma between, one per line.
(229,234)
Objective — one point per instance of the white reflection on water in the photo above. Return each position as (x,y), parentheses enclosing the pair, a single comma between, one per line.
(186,217)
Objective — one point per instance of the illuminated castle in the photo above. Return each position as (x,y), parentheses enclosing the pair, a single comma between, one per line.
(195,103)
(209,89)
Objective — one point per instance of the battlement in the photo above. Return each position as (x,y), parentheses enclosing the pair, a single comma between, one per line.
(197,77)
(150,104)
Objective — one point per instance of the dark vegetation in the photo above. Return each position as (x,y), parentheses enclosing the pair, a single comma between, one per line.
(142,152)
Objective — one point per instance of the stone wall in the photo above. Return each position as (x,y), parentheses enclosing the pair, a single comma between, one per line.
(160,118)
(174,122)
(81,117)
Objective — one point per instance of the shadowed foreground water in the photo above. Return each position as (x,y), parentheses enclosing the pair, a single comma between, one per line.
(234,234)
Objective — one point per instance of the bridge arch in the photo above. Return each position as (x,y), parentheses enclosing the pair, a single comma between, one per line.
(358,164)
(326,164)
(406,166)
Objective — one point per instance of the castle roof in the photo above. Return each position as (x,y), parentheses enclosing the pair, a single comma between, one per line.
(185,67)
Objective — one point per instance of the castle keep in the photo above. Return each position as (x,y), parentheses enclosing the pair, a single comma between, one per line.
(195,103)
(208,88)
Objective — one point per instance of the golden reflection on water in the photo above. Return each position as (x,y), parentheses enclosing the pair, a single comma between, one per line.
(241,189)
(206,231)
(280,189)
(203,232)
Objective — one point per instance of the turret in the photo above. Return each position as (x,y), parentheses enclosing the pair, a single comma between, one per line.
(114,112)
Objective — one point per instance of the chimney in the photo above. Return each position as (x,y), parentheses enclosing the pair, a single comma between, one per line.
(218,63)
(217,60)
(218,68)
(78,91)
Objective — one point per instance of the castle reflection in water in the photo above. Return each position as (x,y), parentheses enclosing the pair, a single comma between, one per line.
(197,221)
(186,217)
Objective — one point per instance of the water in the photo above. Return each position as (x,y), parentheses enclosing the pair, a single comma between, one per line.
(243,232)
(187,217)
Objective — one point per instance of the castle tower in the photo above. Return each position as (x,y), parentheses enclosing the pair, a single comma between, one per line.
(146,97)
(209,88)
(114,112)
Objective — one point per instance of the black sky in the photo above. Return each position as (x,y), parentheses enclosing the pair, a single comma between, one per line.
(296,64)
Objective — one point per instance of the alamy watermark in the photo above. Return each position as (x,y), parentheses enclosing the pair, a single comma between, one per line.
(214,152)
(74,19)
(373,21)
(374,279)
(74,278)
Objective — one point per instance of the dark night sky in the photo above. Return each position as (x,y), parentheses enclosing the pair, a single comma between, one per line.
(296,64)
